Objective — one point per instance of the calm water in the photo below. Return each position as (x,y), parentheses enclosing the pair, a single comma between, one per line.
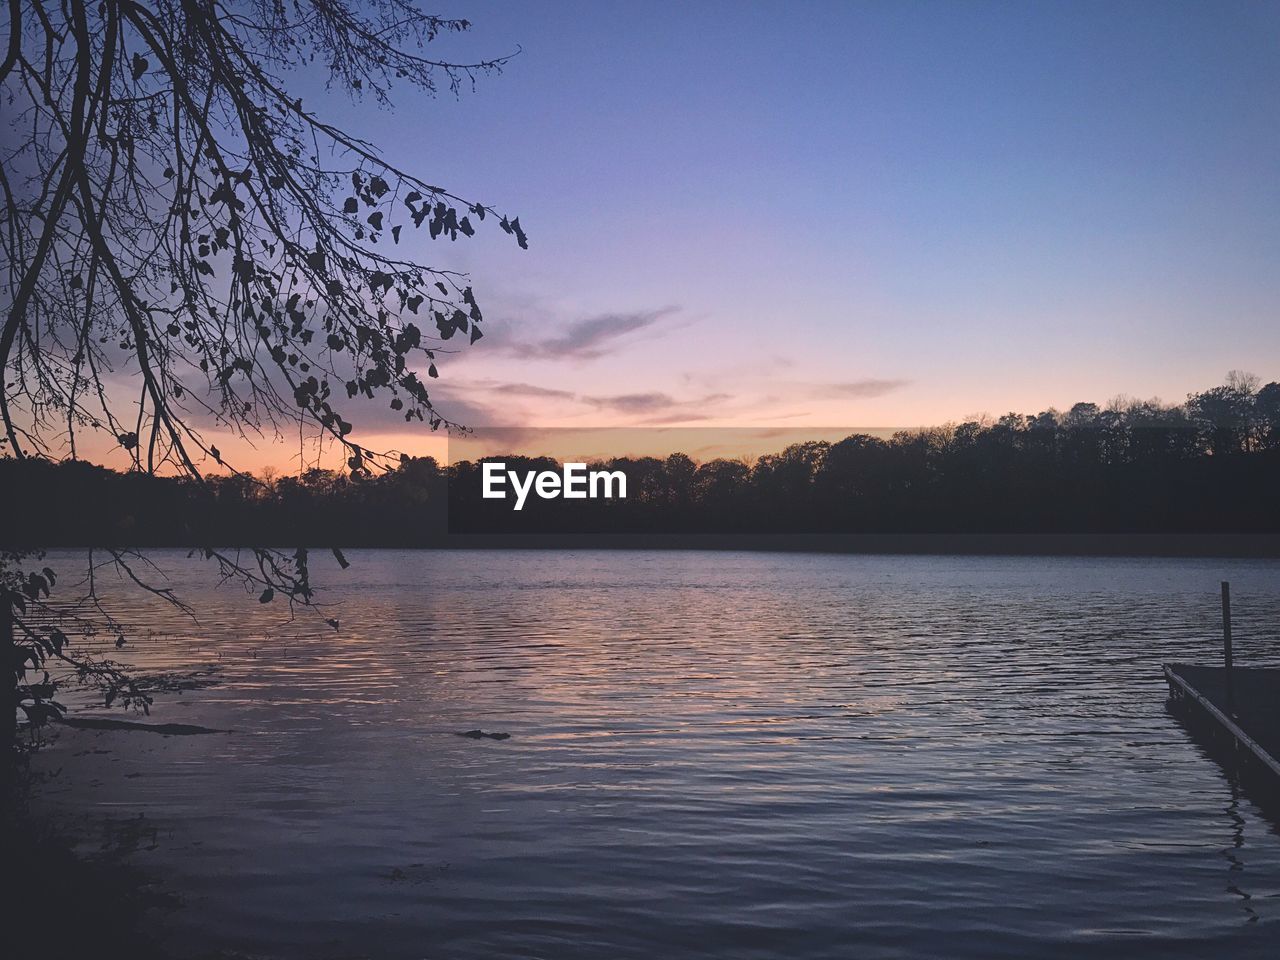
(711,755)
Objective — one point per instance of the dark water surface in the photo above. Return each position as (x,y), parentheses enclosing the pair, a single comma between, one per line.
(710,755)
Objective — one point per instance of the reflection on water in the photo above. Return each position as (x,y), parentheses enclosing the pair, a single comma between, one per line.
(737,755)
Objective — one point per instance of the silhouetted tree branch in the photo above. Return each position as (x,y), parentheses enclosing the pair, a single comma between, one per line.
(185,241)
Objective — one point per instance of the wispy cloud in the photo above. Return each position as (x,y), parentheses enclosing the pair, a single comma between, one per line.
(657,408)
(590,337)
(681,416)
(634,403)
(643,407)
(868,388)
(531,390)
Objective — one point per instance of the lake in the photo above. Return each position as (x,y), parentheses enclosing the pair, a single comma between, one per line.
(740,755)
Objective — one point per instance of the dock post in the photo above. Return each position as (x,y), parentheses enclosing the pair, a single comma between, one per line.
(1226,644)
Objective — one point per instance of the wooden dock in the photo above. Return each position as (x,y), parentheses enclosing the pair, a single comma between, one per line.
(1238,707)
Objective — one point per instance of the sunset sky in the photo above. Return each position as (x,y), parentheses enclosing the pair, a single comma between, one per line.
(862,214)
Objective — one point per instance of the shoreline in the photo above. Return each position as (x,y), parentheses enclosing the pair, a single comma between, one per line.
(1136,545)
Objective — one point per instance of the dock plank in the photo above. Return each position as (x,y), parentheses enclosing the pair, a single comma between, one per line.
(1253,715)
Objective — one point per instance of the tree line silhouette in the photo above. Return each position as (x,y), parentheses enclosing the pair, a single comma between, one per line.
(1209,465)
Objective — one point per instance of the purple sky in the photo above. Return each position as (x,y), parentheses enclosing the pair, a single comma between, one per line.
(862,214)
